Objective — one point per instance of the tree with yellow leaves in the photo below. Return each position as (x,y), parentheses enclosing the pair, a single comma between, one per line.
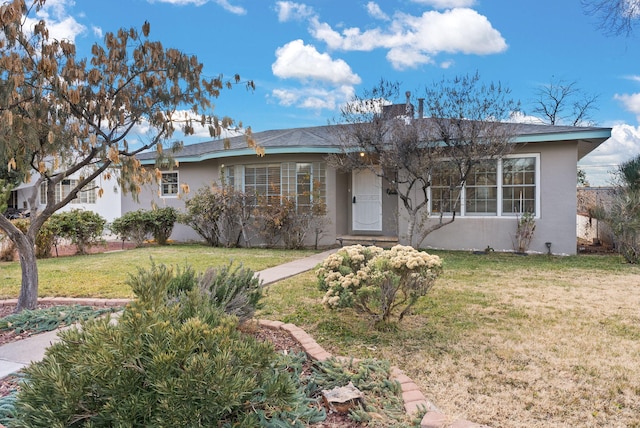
(62,115)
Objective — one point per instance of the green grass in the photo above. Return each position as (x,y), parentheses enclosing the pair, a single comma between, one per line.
(104,275)
(495,339)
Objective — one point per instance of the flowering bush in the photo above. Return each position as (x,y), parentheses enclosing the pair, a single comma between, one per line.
(375,281)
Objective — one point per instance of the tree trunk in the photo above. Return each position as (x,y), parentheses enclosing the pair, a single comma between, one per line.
(28,298)
(411,225)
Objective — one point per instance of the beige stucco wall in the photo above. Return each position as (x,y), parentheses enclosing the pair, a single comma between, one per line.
(205,173)
(556,222)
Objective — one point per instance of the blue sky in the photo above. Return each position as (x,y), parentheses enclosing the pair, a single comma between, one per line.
(307,58)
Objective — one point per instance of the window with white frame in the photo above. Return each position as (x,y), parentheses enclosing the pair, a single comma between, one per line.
(302,181)
(169,184)
(481,189)
(504,187)
(445,192)
(86,195)
(519,185)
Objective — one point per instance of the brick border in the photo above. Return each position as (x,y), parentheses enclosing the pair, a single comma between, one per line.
(413,398)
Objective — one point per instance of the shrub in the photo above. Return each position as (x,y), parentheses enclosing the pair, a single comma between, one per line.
(132,226)
(45,240)
(164,364)
(234,290)
(82,228)
(377,282)
(161,222)
(526,225)
(290,222)
(220,215)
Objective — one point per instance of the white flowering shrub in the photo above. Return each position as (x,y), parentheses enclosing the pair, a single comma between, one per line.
(377,282)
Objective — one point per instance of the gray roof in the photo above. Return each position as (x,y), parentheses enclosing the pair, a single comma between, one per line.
(322,139)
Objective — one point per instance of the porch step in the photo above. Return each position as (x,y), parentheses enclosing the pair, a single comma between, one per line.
(379,241)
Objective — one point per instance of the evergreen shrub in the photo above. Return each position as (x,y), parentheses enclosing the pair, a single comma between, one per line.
(82,228)
(167,362)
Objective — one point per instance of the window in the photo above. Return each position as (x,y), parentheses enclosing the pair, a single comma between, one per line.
(302,181)
(481,189)
(87,195)
(263,181)
(519,185)
(494,188)
(169,184)
(43,193)
(445,194)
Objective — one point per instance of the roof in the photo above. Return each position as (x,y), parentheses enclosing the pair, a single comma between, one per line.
(322,139)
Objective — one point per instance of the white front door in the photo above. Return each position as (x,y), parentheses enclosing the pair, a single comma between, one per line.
(366,201)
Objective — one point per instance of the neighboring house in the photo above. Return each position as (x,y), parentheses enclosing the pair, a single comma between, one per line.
(539,176)
(591,229)
(108,205)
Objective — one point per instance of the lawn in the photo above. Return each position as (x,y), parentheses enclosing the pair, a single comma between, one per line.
(503,340)
(105,275)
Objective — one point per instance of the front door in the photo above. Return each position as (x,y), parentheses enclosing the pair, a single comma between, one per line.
(366,201)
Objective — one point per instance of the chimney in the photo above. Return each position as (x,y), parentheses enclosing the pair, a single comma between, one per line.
(420,108)
(408,106)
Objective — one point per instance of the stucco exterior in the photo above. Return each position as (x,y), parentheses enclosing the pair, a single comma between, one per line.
(109,205)
(555,218)
(555,150)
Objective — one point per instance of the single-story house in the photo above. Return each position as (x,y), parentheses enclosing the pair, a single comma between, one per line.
(543,177)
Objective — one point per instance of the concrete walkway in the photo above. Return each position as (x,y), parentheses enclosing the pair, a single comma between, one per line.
(17,355)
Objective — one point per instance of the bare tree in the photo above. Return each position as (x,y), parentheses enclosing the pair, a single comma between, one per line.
(562,102)
(463,128)
(61,115)
(615,17)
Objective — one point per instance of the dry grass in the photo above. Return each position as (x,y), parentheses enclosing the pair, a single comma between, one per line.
(505,342)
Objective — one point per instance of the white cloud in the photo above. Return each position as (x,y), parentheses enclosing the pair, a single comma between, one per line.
(414,40)
(315,98)
(225,4)
(374,10)
(622,146)
(295,60)
(61,25)
(520,117)
(291,11)
(446,4)
(97,31)
(631,102)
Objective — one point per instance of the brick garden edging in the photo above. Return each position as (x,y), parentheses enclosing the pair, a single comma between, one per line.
(414,399)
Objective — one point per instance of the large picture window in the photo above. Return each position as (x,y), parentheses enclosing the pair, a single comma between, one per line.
(504,187)
(302,181)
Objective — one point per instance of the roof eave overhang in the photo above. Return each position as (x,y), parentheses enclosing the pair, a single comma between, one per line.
(588,140)
(249,152)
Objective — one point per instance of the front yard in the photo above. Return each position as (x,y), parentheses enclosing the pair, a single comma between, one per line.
(503,340)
